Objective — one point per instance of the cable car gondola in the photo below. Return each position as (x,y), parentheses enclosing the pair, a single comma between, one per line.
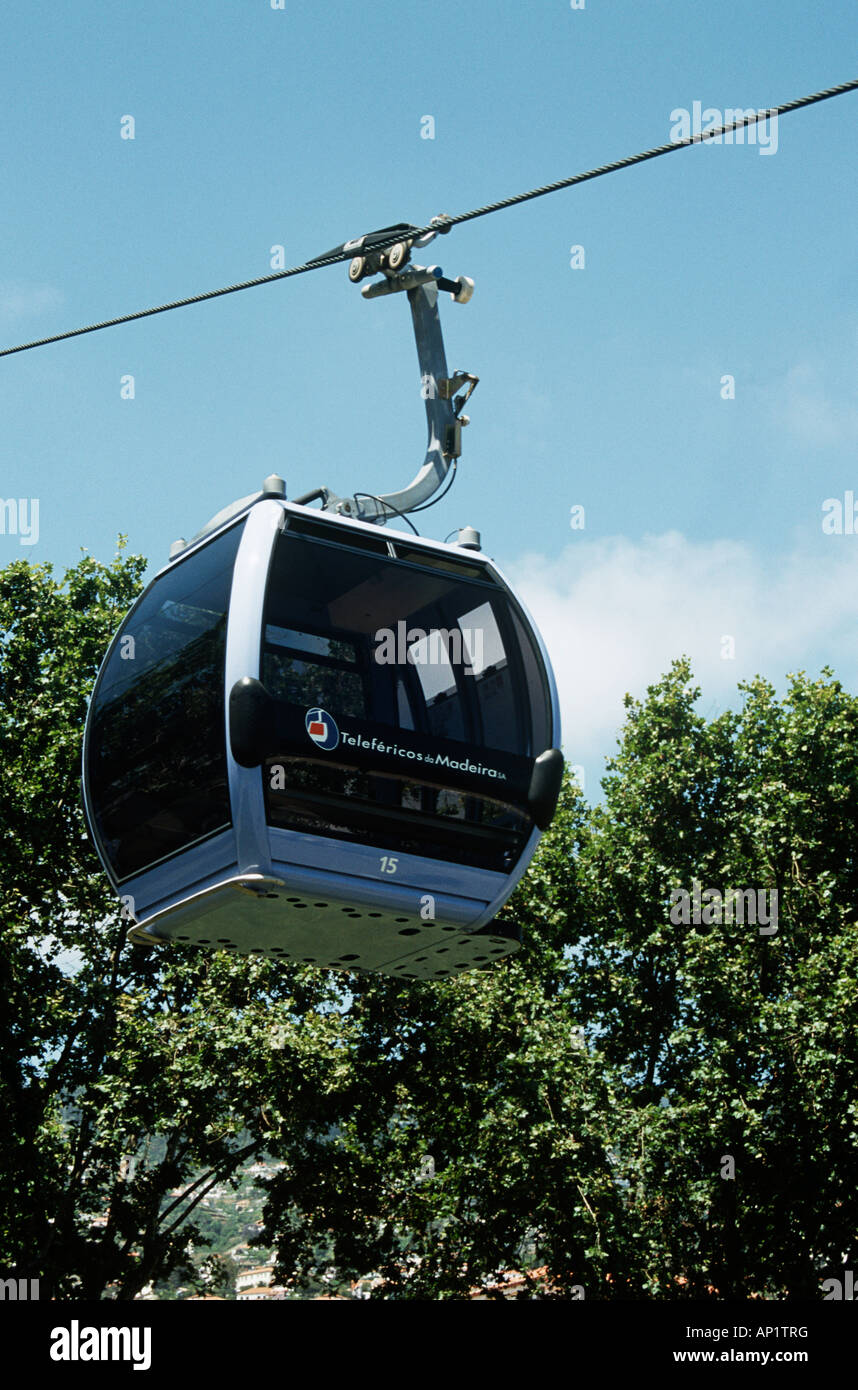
(323,740)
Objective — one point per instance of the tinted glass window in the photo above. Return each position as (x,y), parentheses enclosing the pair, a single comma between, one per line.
(390,639)
(156,755)
(393,814)
(533,679)
(385,650)
(309,669)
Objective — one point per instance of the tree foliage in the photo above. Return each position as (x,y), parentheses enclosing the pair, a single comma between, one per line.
(632,1106)
(131,1082)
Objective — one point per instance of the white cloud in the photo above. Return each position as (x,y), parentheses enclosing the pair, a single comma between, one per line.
(809,407)
(22,301)
(615,613)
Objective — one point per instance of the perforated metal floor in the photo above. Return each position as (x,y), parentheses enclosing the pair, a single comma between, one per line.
(257,915)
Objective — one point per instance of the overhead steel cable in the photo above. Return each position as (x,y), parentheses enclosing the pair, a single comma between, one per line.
(179,303)
(654,153)
(445,223)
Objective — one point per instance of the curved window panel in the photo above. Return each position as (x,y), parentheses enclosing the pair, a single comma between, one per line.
(393,814)
(156,753)
(411,701)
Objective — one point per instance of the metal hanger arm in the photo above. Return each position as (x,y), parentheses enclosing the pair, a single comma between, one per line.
(438,389)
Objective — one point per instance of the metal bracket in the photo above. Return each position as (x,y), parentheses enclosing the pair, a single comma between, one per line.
(448,387)
(437,388)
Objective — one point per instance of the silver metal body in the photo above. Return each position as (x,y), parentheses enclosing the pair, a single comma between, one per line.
(258,888)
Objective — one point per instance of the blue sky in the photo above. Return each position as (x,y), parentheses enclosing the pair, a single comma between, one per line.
(601,387)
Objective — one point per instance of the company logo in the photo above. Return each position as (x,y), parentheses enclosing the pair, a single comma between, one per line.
(76,1343)
(322,729)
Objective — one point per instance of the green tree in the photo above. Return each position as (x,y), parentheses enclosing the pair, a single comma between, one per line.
(638,1105)
(634,1105)
(131,1081)
(471,1129)
(216,1275)
(733,1043)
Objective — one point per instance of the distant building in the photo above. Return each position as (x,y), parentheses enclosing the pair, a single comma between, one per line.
(259,1292)
(261,1276)
(511,1282)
